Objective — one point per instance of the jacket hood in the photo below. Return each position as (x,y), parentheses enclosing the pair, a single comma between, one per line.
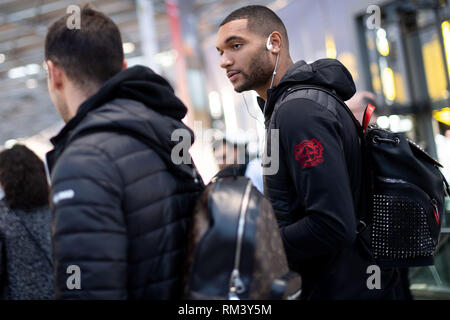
(328,73)
(137,100)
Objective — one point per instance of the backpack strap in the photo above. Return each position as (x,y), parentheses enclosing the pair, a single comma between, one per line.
(358,126)
(233,170)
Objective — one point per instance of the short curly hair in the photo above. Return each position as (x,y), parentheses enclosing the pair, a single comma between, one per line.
(23,179)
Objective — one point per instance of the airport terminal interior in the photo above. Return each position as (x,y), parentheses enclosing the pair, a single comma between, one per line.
(397,50)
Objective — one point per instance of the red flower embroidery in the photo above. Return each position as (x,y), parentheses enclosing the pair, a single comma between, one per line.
(309,153)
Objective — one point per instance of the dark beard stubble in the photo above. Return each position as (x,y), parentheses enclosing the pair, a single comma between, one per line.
(258,75)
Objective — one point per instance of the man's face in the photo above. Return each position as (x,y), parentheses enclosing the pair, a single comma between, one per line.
(244,56)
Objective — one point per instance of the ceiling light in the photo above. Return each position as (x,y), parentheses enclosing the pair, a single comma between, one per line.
(31,83)
(33,68)
(18,72)
(24,71)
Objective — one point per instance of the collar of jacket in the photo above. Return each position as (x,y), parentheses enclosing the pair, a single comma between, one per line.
(275,92)
(328,73)
(137,83)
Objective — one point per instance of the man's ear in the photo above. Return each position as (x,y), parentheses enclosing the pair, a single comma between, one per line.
(277,42)
(55,75)
(124,66)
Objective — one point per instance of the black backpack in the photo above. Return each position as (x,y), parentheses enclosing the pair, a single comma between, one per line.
(402,197)
(405,197)
(235,250)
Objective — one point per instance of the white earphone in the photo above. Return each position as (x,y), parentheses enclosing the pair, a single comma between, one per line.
(269,46)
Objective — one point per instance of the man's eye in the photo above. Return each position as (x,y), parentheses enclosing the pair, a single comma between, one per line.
(237,45)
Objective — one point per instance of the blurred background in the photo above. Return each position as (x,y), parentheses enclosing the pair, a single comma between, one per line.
(398,53)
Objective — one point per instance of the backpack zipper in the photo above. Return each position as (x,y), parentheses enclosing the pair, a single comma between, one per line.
(236,284)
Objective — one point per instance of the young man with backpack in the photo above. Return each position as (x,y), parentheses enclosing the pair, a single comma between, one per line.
(316,190)
(120,206)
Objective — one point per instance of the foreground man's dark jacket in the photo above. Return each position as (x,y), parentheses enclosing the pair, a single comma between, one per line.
(316,191)
(120,213)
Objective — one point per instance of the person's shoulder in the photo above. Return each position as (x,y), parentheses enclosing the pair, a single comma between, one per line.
(41,211)
(303,111)
(316,98)
(4,208)
(6,216)
(89,145)
(82,158)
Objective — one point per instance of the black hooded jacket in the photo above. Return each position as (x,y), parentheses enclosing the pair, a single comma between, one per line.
(120,207)
(316,190)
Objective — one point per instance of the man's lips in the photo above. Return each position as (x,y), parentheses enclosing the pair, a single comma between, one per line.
(233,75)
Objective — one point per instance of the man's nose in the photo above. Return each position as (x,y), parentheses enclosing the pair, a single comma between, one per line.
(225,61)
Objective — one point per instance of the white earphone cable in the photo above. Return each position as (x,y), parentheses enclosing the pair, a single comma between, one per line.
(248,111)
(269,47)
(274,71)
(271,83)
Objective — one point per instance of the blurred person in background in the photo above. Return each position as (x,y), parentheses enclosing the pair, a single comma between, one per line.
(316,189)
(231,154)
(358,104)
(26,270)
(120,207)
(239,162)
(255,173)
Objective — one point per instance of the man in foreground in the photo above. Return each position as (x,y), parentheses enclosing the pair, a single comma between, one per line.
(120,208)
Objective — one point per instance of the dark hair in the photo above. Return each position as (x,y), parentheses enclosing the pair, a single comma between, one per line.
(22,177)
(261,20)
(89,55)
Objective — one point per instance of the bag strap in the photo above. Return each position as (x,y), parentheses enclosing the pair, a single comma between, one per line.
(358,126)
(233,170)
